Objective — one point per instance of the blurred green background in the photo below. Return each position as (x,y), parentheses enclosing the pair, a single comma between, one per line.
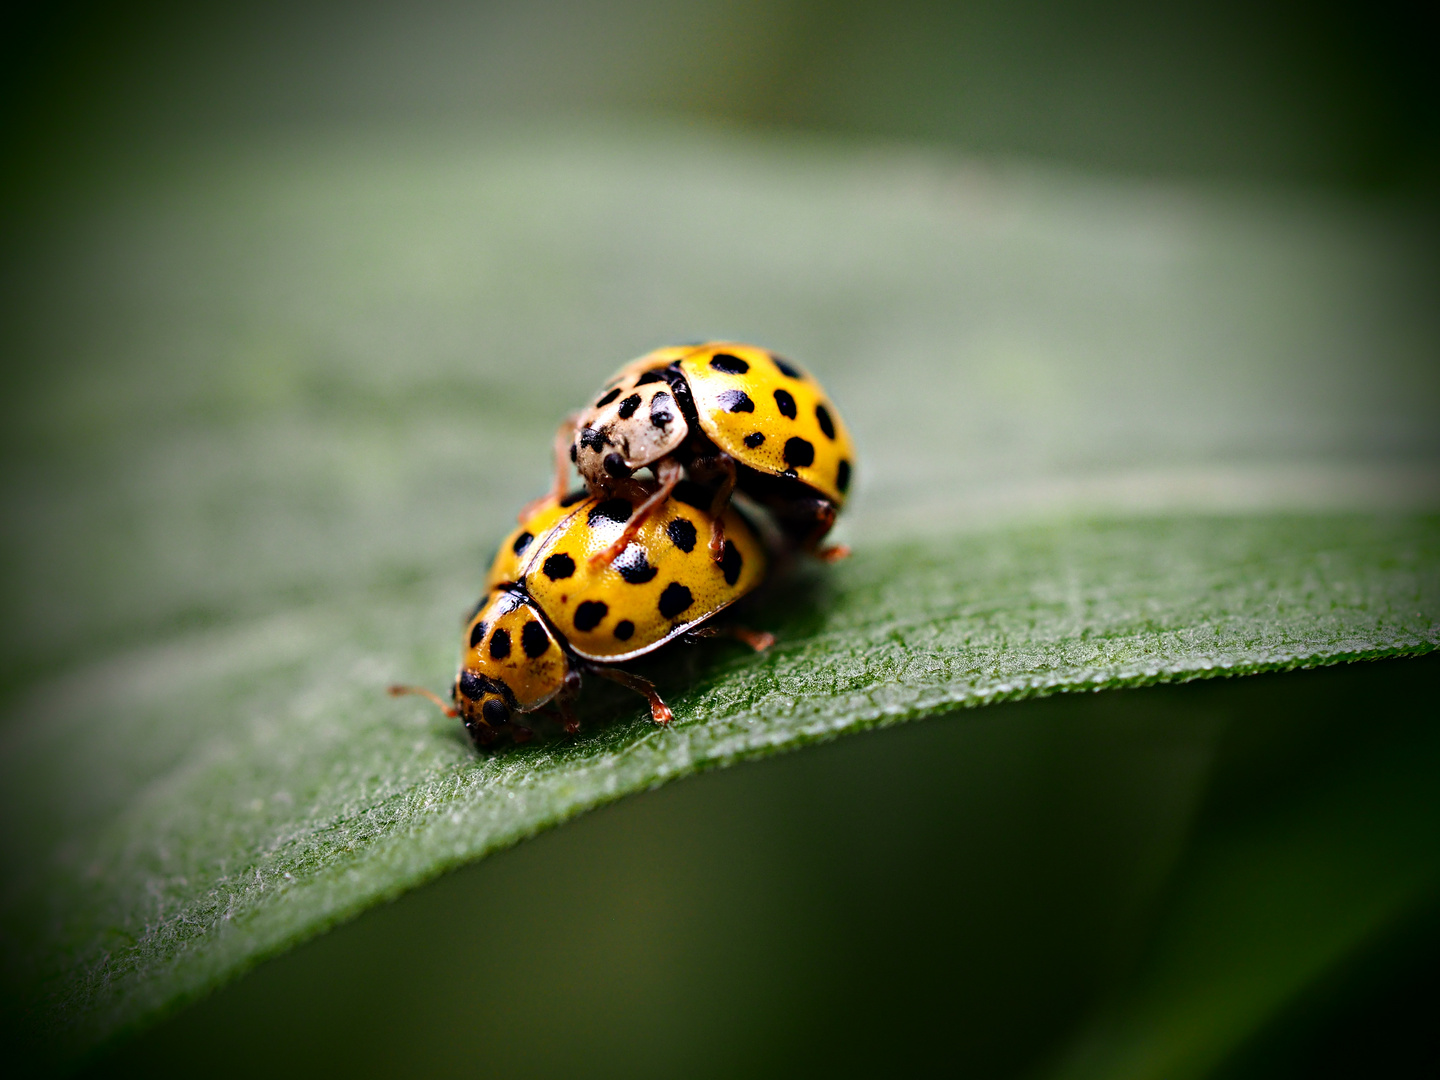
(845,909)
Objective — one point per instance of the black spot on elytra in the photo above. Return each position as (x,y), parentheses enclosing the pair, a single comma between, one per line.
(754,439)
(842,476)
(574,452)
(559,566)
(574,496)
(495,712)
(623,629)
(611,396)
(633,566)
(731,562)
(628,406)
(654,375)
(692,494)
(682,534)
(615,465)
(534,640)
(736,401)
(785,403)
(827,425)
(592,439)
(660,412)
(522,542)
(799,452)
(500,645)
(477,634)
(616,510)
(730,365)
(675,599)
(589,614)
(470,685)
(785,368)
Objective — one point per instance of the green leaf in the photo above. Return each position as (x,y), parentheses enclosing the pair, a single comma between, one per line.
(276,406)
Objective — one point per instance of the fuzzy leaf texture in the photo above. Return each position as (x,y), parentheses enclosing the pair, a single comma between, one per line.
(274,411)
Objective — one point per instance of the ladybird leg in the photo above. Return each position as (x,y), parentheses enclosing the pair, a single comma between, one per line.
(420,691)
(668,472)
(565,702)
(759,640)
(823,514)
(659,711)
(726,466)
(564,442)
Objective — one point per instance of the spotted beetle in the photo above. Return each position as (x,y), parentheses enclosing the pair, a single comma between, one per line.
(727,414)
(552,613)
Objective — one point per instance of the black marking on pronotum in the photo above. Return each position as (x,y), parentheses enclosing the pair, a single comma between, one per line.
(477,634)
(731,562)
(653,375)
(842,476)
(559,566)
(471,686)
(799,452)
(623,629)
(616,510)
(499,645)
(736,401)
(675,599)
(574,496)
(589,614)
(495,712)
(615,465)
(633,566)
(682,534)
(692,494)
(660,411)
(730,365)
(534,640)
(827,425)
(628,406)
(785,403)
(754,439)
(611,396)
(592,439)
(522,542)
(785,368)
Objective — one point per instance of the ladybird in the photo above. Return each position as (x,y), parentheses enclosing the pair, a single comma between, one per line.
(729,415)
(553,613)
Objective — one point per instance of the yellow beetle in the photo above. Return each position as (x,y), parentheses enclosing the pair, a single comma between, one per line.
(730,415)
(552,612)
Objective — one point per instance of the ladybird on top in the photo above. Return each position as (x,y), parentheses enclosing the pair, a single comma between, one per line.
(727,415)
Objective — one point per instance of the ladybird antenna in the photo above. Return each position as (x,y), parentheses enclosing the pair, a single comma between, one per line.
(420,691)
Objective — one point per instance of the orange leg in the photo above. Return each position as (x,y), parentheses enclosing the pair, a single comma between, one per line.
(420,691)
(759,640)
(564,439)
(833,553)
(668,473)
(717,506)
(659,711)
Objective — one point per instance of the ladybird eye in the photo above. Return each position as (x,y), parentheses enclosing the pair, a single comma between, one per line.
(495,712)
(615,465)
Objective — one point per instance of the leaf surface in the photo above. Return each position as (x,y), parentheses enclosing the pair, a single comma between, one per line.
(276,410)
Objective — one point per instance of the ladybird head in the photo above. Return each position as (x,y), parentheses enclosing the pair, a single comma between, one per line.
(635,422)
(512,663)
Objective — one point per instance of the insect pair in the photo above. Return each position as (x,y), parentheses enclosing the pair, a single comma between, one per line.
(614,571)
